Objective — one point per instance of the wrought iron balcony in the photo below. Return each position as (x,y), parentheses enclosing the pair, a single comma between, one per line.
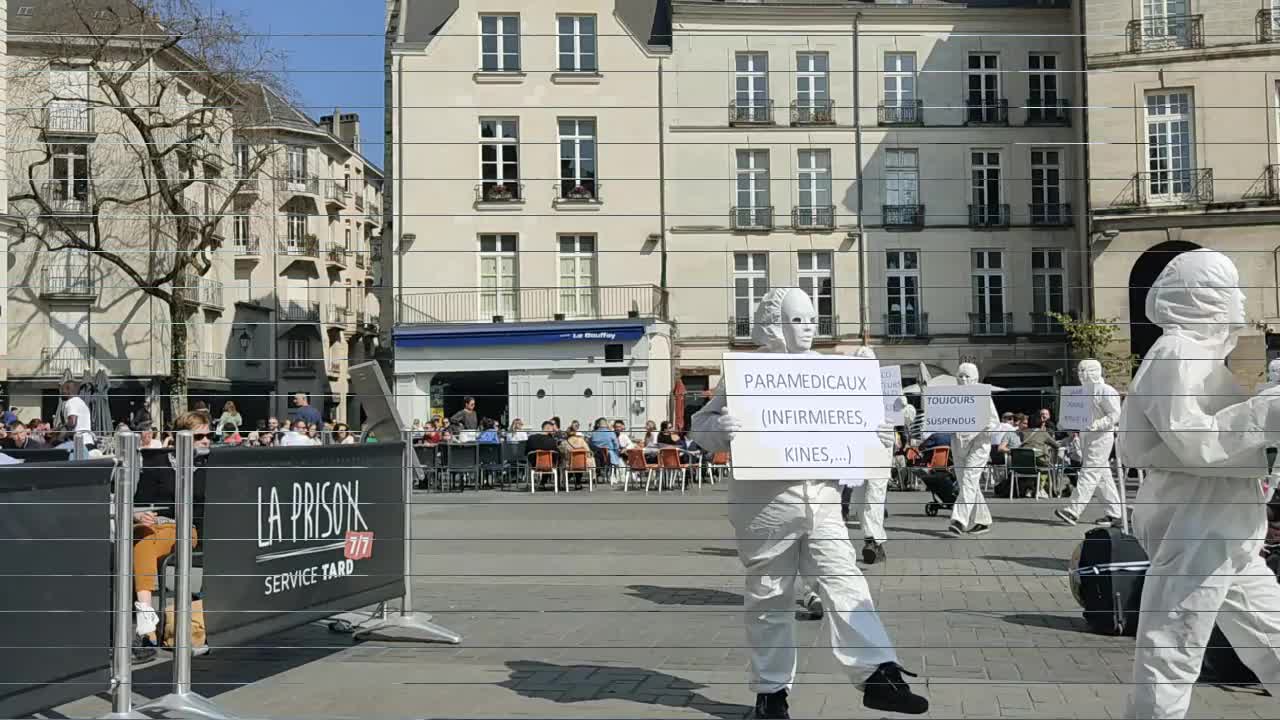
(906,325)
(247,247)
(67,119)
(337,315)
(828,326)
(492,191)
(989,216)
(207,364)
(1165,32)
(299,312)
(1051,215)
(813,111)
(819,217)
(336,255)
(759,219)
(359,200)
(532,305)
(298,184)
(904,112)
(374,214)
(1041,111)
(1045,325)
(68,281)
(1167,187)
(754,112)
(986,111)
(307,246)
(1268,25)
(334,193)
(740,328)
(245,186)
(68,196)
(990,324)
(57,361)
(1267,187)
(577,192)
(902,217)
(201,290)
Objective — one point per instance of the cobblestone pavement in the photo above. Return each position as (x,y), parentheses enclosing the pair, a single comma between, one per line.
(604,604)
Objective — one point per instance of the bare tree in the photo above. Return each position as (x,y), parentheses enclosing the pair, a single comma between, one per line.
(163,85)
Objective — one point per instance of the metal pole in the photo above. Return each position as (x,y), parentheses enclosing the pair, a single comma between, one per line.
(406,477)
(122,622)
(81,451)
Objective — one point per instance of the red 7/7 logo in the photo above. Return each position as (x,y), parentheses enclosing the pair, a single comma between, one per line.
(358,546)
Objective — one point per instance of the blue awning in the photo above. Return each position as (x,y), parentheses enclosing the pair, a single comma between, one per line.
(517,334)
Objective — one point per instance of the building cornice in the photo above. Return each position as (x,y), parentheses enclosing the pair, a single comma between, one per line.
(1157,60)
(799,12)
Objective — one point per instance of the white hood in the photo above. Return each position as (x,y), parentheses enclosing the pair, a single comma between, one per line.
(1198,296)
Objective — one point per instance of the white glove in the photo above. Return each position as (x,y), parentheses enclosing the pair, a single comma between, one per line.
(886,435)
(728,425)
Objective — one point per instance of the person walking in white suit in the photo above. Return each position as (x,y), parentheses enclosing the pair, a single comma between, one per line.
(786,529)
(972,453)
(1095,450)
(1200,514)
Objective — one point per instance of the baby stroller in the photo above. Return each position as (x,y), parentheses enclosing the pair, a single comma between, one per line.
(939,478)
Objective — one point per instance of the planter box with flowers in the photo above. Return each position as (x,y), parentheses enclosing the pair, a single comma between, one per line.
(577,195)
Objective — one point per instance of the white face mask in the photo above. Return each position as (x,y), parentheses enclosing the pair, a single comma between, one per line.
(967,374)
(1273,371)
(1090,372)
(799,322)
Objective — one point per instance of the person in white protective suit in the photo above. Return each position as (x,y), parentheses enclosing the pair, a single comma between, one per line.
(972,452)
(1200,514)
(790,528)
(869,497)
(1095,450)
(1273,477)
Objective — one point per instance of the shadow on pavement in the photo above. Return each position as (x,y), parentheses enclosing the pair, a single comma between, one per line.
(585,683)
(684,595)
(1040,563)
(1064,623)
(715,552)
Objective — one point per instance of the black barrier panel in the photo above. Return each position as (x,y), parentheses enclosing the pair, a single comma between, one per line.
(294,535)
(55,568)
(43,455)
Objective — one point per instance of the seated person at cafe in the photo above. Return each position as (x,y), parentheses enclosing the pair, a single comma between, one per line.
(603,438)
(625,442)
(574,441)
(489,435)
(938,439)
(20,438)
(545,440)
(517,432)
(1040,440)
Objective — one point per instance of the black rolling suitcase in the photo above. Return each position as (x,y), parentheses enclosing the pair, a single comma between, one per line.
(1107,579)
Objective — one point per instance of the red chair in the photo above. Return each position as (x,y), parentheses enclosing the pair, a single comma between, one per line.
(638,465)
(580,465)
(721,462)
(544,463)
(671,463)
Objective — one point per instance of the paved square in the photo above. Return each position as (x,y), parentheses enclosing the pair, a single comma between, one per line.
(612,605)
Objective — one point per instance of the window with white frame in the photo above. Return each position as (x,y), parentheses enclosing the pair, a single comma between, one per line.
(813,91)
(985,186)
(299,353)
(577,275)
(499,159)
(1048,290)
(902,187)
(752,189)
(750,283)
(1047,206)
(69,181)
(241,156)
(814,275)
(988,293)
(577,43)
(1170,147)
(500,43)
(577,159)
(1166,24)
(900,88)
(902,293)
(983,80)
(295,227)
(296,164)
(1042,87)
(240,229)
(815,208)
(751,87)
(346,240)
(499,282)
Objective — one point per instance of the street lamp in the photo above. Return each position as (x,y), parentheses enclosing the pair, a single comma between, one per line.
(244,341)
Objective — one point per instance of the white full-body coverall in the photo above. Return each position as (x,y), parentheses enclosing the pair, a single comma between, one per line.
(1200,513)
(870,496)
(1273,380)
(786,529)
(971,454)
(1095,445)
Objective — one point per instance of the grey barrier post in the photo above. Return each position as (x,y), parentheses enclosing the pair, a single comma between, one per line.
(81,451)
(419,624)
(122,622)
(182,701)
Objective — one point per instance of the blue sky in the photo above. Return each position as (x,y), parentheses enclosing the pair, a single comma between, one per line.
(334,55)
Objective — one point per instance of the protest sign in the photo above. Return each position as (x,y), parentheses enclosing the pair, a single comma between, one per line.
(957,408)
(804,417)
(891,387)
(1075,408)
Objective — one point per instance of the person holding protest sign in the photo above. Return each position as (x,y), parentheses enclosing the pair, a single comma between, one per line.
(972,453)
(787,528)
(1096,442)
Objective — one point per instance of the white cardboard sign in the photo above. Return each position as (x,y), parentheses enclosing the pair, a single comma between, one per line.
(803,417)
(1075,408)
(891,386)
(957,408)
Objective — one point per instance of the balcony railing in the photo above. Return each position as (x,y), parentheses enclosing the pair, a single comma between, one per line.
(752,112)
(1267,187)
(362,320)
(308,246)
(990,324)
(300,312)
(900,325)
(569,192)
(374,214)
(813,111)
(1051,214)
(902,216)
(1045,325)
(828,327)
(245,186)
(904,112)
(207,364)
(67,119)
(1042,111)
(58,361)
(751,218)
(305,184)
(500,192)
(209,292)
(359,201)
(989,216)
(336,254)
(247,247)
(1166,32)
(814,217)
(68,196)
(337,315)
(1167,187)
(986,111)
(333,192)
(1268,25)
(740,328)
(68,281)
(532,305)
(360,260)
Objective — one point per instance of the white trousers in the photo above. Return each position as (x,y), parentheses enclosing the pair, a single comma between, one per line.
(1097,479)
(971,462)
(788,529)
(868,501)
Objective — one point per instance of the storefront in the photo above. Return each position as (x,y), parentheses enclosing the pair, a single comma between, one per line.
(574,370)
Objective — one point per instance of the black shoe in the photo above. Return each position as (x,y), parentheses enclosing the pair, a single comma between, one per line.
(772,706)
(143,651)
(1066,517)
(956,528)
(979,529)
(813,609)
(886,690)
(873,552)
